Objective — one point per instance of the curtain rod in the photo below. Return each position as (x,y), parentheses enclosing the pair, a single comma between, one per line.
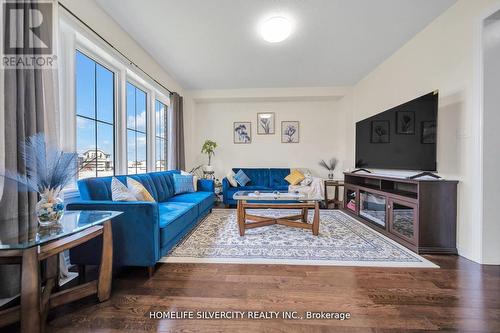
(114,48)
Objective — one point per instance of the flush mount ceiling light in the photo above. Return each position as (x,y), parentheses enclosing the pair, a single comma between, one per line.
(276,29)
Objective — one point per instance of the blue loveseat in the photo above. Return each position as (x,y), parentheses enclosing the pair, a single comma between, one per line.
(261,179)
(147,230)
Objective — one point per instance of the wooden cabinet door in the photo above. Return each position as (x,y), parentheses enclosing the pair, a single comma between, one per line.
(403,220)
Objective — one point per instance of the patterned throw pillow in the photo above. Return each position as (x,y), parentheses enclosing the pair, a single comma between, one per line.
(295,177)
(231,180)
(241,178)
(139,191)
(195,179)
(120,192)
(183,183)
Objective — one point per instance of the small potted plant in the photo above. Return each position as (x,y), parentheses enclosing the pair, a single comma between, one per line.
(209,149)
(330,166)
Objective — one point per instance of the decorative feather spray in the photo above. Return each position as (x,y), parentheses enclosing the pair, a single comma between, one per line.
(330,166)
(48,169)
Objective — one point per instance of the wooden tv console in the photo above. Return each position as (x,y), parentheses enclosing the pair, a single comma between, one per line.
(419,214)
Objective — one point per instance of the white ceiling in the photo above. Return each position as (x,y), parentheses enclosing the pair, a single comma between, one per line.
(214,44)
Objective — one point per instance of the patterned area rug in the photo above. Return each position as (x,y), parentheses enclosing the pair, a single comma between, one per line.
(342,241)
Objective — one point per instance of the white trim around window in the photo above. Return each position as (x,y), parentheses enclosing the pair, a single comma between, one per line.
(74,36)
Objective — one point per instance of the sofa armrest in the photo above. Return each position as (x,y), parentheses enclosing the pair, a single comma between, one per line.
(225,184)
(136,232)
(225,187)
(206,185)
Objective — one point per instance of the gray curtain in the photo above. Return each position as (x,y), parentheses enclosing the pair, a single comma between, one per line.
(175,125)
(29,106)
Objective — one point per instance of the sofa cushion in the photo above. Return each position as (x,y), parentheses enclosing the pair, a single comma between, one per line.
(138,190)
(204,200)
(277,177)
(171,211)
(254,188)
(170,232)
(241,178)
(183,184)
(146,180)
(195,179)
(258,177)
(281,188)
(164,184)
(295,177)
(230,178)
(97,188)
(120,192)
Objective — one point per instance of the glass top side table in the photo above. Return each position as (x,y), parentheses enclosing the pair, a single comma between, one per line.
(71,222)
(42,246)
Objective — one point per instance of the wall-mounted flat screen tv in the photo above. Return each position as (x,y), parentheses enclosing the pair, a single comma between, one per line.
(402,138)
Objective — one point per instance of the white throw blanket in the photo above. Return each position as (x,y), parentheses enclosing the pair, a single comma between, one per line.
(315,190)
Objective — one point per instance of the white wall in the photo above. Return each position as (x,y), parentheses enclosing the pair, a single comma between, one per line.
(322,133)
(440,57)
(491,140)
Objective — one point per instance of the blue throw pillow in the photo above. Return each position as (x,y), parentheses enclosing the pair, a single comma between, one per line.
(183,183)
(241,178)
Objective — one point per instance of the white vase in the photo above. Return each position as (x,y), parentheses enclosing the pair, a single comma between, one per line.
(208,168)
(50,208)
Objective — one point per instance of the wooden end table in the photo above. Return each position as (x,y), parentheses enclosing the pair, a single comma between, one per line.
(337,203)
(43,245)
(272,200)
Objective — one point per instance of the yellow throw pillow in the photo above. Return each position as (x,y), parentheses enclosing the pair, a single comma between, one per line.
(295,177)
(138,190)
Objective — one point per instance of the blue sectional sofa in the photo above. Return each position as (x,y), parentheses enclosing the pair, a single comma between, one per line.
(147,230)
(261,179)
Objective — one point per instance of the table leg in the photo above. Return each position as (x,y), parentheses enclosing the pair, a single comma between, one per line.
(326,194)
(106,267)
(240,217)
(30,292)
(52,276)
(336,198)
(315,226)
(305,212)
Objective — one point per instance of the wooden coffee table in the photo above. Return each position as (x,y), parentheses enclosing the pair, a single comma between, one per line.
(276,200)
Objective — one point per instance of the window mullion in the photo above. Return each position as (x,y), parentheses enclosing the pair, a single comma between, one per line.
(95,119)
(135,130)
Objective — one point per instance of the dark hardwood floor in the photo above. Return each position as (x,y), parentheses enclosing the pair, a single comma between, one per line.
(460,296)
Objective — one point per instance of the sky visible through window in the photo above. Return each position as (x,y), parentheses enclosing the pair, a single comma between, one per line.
(136,129)
(160,136)
(95,122)
(94,117)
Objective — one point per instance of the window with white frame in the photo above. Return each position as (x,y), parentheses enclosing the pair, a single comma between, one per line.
(160,136)
(136,130)
(95,118)
(116,114)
